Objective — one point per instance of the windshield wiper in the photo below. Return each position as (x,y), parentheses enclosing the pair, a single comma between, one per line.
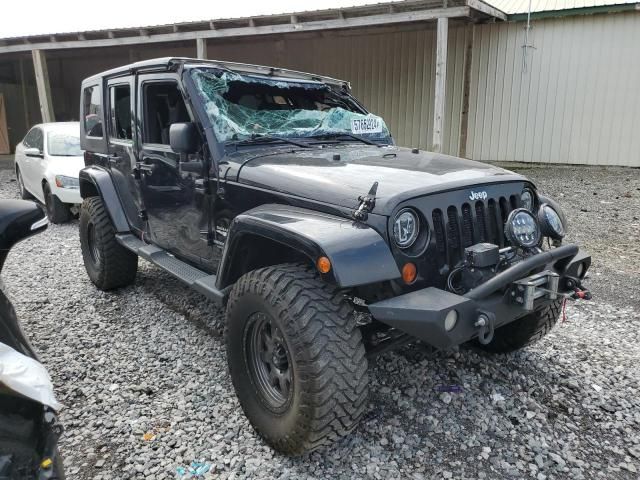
(258,138)
(337,136)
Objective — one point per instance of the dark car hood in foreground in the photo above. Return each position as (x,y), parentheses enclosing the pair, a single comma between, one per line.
(318,174)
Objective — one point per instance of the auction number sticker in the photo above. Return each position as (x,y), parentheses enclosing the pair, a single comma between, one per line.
(366,125)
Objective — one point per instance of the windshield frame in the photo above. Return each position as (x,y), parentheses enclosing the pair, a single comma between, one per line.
(342,135)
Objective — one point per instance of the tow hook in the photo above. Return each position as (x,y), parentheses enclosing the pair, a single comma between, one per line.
(484,324)
(579,292)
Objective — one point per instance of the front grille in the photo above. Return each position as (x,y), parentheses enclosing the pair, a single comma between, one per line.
(470,223)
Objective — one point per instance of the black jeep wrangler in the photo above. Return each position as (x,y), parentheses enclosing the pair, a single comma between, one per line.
(277,194)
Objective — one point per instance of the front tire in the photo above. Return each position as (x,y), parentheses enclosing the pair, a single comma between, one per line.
(108,264)
(57,212)
(524,331)
(296,358)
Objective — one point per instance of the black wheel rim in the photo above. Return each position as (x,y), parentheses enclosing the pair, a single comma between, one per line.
(94,252)
(269,361)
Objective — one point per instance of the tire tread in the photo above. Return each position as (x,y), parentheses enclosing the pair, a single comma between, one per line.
(333,370)
(119,265)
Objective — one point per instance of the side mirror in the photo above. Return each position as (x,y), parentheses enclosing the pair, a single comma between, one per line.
(33,152)
(183,137)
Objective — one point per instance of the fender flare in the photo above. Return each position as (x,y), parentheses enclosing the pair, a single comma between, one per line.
(96,181)
(358,254)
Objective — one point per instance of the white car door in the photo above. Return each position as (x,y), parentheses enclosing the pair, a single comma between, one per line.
(33,171)
(22,161)
(19,157)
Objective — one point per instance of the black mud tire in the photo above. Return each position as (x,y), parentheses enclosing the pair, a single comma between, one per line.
(108,264)
(57,212)
(24,193)
(524,331)
(329,382)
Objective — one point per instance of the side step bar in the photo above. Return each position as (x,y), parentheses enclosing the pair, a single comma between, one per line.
(200,281)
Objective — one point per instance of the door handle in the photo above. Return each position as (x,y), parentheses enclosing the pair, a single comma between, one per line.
(200,186)
(191,167)
(113,159)
(146,167)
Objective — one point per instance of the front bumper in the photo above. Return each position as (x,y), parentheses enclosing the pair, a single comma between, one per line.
(511,294)
(68,195)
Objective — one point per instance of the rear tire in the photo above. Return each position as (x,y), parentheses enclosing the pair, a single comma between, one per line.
(524,331)
(289,329)
(24,193)
(57,212)
(108,264)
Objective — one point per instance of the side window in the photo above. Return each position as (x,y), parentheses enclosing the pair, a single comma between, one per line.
(163,106)
(92,111)
(120,112)
(29,139)
(38,139)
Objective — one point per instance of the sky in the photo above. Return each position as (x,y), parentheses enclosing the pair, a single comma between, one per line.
(35,17)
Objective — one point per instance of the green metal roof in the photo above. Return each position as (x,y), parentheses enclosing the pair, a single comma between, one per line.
(519,7)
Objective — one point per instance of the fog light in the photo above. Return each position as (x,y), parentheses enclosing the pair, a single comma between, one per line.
(450,320)
(522,228)
(550,222)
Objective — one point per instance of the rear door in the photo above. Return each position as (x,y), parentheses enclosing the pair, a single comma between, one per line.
(32,177)
(121,136)
(21,159)
(175,203)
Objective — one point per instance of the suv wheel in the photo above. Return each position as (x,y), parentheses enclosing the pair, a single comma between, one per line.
(524,331)
(57,211)
(296,358)
(24,193)
(109,264)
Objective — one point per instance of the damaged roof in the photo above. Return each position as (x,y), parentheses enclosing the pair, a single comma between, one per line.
(513,7)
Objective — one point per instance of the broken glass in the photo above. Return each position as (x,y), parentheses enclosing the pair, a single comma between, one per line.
(242,107)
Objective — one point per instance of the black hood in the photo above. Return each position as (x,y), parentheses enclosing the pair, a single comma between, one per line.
(337,175)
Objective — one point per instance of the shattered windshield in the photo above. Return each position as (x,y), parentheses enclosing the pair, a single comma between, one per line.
(244,107)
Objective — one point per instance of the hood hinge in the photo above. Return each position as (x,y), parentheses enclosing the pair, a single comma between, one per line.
(367,204)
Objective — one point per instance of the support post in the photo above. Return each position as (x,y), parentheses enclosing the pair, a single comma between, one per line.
(44,88)
(441,81)
(466,87)
(201,48)
(25,102)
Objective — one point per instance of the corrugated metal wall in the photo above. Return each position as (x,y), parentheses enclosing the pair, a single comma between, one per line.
(391,73)
(578,102)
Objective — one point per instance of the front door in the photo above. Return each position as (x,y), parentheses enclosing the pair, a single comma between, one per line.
(173,187)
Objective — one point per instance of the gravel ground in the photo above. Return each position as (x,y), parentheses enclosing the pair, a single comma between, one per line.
(149,359)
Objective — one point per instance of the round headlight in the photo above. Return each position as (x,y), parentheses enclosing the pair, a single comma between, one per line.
(406,227)
(550,222)
(526,197)
(522,229)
